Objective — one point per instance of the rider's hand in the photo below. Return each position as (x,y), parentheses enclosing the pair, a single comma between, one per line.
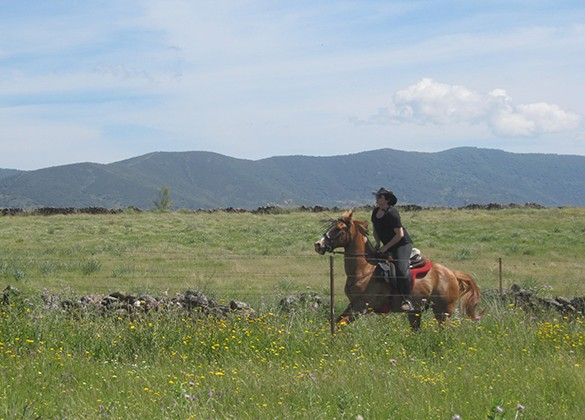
(381,255)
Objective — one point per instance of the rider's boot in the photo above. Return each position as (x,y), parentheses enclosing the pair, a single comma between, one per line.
(407,305)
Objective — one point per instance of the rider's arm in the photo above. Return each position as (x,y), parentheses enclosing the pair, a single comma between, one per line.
(399,234)
(377,238)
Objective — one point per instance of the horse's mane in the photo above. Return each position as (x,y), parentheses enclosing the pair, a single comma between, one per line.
(362,227)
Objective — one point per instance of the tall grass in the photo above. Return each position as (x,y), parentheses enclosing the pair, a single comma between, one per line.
(287,365)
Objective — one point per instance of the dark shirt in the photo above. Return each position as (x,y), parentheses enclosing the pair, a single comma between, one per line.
(385,225)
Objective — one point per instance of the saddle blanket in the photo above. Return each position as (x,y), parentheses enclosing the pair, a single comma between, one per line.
(420,272)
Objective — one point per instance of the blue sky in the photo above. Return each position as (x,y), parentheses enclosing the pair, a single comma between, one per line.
(105,80)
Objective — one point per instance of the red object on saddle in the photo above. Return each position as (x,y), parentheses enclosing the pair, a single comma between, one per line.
(419,272)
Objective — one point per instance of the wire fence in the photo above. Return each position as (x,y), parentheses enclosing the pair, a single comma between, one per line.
(252,274)
(262,281)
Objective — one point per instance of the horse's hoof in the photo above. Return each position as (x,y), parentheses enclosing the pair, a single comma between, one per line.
(407,306)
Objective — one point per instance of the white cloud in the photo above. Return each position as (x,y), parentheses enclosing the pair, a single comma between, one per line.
(549,118)
(430,102)
(505,123)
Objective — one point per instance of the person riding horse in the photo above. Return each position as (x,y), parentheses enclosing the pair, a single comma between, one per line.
(438,287)
(396,242)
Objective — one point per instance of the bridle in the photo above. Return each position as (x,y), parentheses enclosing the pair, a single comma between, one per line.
(328,238)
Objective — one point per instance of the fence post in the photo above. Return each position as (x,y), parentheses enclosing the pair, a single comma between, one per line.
(331,295)
(500,275)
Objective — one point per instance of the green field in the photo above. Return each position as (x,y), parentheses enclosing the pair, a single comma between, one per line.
(282,365)
(247,255)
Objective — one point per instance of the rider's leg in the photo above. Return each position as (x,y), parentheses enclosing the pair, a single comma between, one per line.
(401,257)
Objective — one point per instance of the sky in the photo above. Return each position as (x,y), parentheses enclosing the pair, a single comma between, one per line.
(107,80)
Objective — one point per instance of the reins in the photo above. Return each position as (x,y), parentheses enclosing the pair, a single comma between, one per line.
(368,258)
(349,255)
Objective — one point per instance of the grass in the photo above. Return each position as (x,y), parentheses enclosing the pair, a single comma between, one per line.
(248,254)
(281,365)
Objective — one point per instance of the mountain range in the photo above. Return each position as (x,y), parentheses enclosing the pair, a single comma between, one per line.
(203,180)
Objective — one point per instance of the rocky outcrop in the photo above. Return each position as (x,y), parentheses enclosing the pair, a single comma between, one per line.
(305,300)
(497,206)
(529,300)
(50,211)
(118,303)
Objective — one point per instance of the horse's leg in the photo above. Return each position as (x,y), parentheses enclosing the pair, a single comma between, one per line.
(347,315)
(419,297)
(444,306)
(443,310)
(350,313)
(414,319)
(353,310)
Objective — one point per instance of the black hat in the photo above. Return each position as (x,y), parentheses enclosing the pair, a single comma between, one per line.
(389,195)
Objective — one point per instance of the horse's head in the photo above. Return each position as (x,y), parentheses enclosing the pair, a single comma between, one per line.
(339,234)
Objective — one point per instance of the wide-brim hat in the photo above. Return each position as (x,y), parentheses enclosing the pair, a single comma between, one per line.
(388,194)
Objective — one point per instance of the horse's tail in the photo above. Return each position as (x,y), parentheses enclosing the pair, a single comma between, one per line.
(469,294)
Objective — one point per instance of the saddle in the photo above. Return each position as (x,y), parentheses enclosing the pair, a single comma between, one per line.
(419,267)
(416,259)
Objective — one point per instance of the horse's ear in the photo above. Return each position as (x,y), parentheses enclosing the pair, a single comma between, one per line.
(346,216)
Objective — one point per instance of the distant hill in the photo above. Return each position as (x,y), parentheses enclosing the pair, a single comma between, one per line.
(5,173)
(453,177)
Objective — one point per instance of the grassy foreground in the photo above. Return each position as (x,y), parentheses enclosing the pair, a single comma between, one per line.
(281,365)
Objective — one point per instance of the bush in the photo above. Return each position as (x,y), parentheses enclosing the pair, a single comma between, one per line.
(164,202)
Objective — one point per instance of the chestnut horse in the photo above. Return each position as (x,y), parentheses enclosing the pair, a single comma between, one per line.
(440,288)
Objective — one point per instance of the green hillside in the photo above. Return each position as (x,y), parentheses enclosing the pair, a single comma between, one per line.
(454,177)
(6,173)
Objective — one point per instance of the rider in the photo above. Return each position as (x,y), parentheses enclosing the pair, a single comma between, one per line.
(395,239)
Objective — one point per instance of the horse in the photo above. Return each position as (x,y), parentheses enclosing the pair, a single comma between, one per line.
(440,288)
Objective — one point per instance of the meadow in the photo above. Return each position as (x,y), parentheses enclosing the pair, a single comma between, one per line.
(280,365)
